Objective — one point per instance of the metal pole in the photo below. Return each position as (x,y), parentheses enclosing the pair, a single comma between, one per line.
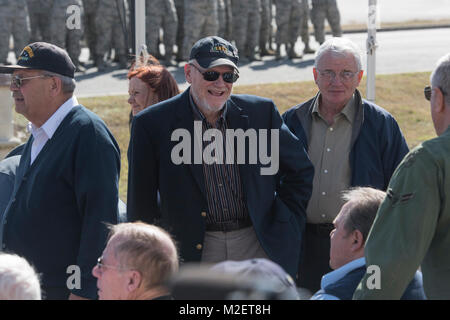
(371,50)
(7,139)
(140,26)
(132,26)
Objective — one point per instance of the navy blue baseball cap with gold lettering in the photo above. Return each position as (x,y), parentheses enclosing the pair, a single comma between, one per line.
(43,56)
(214,51)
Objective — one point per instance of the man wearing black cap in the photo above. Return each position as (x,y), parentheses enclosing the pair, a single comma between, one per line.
(219,209)
(66,182)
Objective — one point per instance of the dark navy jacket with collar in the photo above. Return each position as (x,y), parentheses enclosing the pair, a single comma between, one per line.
(276,203)
(57,213)
(377,142)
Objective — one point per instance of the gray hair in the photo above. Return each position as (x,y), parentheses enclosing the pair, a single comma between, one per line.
(68,84)
(146,248)
(18,280)
(440,78)
(361,216)
(339,45)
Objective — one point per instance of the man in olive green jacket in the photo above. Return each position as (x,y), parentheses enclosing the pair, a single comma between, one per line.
(412,227)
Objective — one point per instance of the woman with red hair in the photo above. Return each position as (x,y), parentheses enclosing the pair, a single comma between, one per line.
(149,83)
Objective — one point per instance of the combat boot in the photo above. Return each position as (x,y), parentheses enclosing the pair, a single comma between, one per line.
(123,62)
(292,54)
(266,52)
(101,66)
(168,58)
(278,52)
(308,49)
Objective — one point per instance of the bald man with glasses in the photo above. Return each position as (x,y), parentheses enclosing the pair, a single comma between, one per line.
(351,142)
(219,210)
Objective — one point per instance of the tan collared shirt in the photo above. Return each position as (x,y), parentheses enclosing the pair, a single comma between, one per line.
(329,149)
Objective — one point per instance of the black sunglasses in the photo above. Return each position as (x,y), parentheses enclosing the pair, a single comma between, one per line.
(427,92)
(228,77)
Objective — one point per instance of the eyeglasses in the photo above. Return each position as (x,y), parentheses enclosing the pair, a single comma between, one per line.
(427,92)
(101,266)
(18,81)
(228,77)
(330,75)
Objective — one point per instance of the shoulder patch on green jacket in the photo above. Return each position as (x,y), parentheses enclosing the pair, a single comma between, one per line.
(398,198)
(410,158)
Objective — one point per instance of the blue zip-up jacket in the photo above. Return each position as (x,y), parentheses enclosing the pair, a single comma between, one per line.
(377,142)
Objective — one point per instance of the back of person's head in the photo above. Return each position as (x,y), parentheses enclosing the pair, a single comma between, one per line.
(253,279)
(156,76)
(263,271)
(339,45)
(366,202)
(147,249)
(18,280)
(440,77)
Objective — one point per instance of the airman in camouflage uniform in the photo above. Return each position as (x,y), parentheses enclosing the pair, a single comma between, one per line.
(412,226)
(13,20)
(304,28)
(63,29)
(179,6)
(246,25)
(90,14)
(39,13)
(225,18)
(328,9)
(161,14)
(110,24)
(200,20)
(288,18)
(265,32)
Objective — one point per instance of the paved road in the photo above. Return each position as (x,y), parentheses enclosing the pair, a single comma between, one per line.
(355,11)
(399,51)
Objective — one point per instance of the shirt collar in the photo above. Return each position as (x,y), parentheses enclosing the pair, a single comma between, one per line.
(341,272)
(348,111)
(50,126)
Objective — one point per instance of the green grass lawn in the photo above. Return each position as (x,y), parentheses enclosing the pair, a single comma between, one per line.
(400,94)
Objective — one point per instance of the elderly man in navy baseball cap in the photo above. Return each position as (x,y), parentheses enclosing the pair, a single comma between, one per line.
(66,182)
(224,206)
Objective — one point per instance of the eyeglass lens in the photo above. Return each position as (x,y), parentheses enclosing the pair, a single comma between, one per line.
(427,92)
(228,77)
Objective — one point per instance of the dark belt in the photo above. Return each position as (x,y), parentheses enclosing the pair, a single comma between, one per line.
(229,225)
(322,229)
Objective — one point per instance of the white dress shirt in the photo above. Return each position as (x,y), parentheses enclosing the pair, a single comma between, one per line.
(45,132)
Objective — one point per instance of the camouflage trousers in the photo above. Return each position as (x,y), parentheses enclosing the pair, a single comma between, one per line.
(325,10)
(288,18)
(13,21)
(246,25)
(161,14)
(200,20)
(67,28)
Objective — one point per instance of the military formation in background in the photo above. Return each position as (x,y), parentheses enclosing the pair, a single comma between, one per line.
(257,27)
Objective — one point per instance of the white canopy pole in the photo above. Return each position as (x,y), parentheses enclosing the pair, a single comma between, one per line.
(139,13)
(371,50)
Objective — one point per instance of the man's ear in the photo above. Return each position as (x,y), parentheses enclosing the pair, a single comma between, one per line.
(439,101)
(357,240)
(134,280)
(315,75)
(187,73)
(55,86)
